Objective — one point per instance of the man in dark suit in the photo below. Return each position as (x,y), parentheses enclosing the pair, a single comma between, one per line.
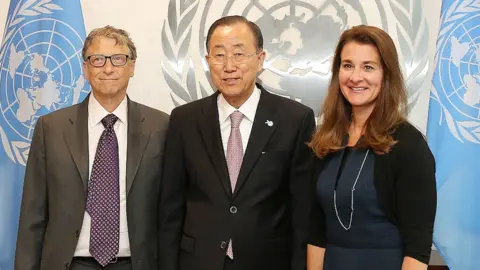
(92,182)
(237,168)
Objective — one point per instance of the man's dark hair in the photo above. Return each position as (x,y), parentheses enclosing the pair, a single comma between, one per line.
(231,20)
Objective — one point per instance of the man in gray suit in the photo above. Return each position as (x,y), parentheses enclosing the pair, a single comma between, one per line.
(92,180)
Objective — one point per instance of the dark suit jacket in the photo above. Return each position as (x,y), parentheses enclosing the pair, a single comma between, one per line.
(55,187)
(266,214)
(406,189)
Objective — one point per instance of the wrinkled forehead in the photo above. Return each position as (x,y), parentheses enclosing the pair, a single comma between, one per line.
(229,37)
(107,45)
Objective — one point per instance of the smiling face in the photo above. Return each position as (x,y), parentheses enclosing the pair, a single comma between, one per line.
(234,80)
(360,75)
(108,82)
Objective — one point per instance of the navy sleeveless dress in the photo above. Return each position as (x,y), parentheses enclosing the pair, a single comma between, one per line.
(372,242)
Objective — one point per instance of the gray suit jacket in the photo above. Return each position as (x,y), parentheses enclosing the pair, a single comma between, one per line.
(55,187)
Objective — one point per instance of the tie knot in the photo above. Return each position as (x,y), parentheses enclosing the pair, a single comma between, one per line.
(109,120)
(236,117)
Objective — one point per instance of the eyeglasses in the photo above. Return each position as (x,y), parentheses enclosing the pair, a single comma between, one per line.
(238,58)
(99,60)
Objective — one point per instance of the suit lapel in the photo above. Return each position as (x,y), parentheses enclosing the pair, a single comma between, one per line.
(209,127)
(264,125)
(76,137)
(137,139)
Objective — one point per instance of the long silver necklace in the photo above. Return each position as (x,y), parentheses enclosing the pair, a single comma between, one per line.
(351,198)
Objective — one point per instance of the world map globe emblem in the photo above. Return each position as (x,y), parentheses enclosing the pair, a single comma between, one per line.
(41,71)
(294,55)
(459,68)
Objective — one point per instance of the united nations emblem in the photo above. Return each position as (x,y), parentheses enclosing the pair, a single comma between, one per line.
(299,39)
(457,77)
(41,69)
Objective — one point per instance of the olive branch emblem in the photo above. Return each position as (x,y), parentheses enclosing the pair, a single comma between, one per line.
(178,69)
(412,31)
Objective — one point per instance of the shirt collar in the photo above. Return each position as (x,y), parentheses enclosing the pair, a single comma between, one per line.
(248,108)
(96,112)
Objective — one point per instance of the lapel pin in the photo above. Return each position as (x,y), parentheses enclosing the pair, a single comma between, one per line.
(269,123)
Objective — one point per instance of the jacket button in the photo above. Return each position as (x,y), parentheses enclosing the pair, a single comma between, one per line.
(223,244)
(66,266)
(233,209)
(77,233)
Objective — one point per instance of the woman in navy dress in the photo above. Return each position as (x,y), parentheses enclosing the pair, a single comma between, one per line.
(374,175)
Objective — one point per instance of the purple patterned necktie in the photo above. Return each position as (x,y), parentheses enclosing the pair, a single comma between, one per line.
(234,156)
(103,200)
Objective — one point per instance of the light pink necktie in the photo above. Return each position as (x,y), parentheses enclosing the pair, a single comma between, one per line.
(234,157)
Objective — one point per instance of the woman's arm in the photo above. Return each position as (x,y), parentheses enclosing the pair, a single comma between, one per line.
(416,195)
(410,263)
(316,235)
(315,257)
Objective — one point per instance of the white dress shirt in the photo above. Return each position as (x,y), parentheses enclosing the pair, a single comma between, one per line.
(95,129)
(249,108)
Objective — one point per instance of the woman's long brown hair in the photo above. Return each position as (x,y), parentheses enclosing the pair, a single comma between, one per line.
(390,106)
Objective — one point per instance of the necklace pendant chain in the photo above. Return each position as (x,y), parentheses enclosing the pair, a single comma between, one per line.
(346,228)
